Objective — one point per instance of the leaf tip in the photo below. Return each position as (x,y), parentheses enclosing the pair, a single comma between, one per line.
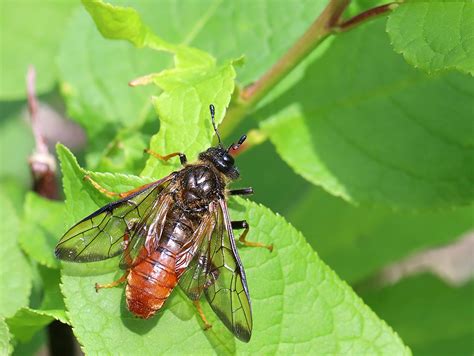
(240,61)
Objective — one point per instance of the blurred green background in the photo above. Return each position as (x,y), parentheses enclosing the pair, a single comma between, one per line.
(80,75)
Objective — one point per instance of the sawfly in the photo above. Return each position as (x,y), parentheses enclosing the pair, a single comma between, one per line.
(174,231)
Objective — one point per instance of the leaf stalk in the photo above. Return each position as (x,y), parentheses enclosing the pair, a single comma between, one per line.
(365,16)
(327,23)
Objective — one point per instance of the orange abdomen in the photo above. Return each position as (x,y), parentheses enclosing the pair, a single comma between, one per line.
(150,282)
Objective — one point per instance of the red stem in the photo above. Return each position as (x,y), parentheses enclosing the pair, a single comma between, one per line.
(41,146)
(42,163)
(366,15)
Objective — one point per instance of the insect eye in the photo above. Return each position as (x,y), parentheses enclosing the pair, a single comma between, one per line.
(228,159)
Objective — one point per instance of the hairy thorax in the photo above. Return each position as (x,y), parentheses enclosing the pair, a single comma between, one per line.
(200,185)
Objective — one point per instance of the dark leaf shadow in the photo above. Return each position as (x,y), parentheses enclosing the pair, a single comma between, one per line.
(133,323)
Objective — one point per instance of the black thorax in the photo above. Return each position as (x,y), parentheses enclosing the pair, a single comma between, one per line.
(199,186)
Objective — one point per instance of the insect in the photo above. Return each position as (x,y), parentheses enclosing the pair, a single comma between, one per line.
(174,231)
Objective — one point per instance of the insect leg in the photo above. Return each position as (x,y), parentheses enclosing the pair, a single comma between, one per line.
(242,224)
(113,284)
(197,304)
(182,156)
(243,191)
(114,194)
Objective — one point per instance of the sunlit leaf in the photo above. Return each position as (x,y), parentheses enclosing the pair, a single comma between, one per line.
(371,129)
(5,346)
(357,241)
(31,33)
(16,282)
(43,222)
(434,318)
(434,35)
(298,284)
(27,321)
(95,82)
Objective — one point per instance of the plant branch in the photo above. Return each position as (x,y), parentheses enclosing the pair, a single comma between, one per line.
(365,16)
(42,163)
(41,146)
(251,95)
(319,30)
(327,23)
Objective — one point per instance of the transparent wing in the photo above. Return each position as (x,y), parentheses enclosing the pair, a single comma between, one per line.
(217,271)
(228,295)
(147,232)
(192,262)
(113,228)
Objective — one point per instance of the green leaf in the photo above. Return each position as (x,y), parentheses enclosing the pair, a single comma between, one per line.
(31,35)
(298,284)
(357,241)
(434,35)
(370,129)
(52,303)
(123,154)
(354,241)
(80,195)
(5,346)
(268,190)
(28,321)
(433,318)
(125,23)
(261,31)
(355,7)
(33,346)
(188,89)
(16,145)
(185,124)
(43,222)
(95,82)
(16,282)
(95,73)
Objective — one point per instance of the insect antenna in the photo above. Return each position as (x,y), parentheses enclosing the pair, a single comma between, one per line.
(235,146)
(213,111)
